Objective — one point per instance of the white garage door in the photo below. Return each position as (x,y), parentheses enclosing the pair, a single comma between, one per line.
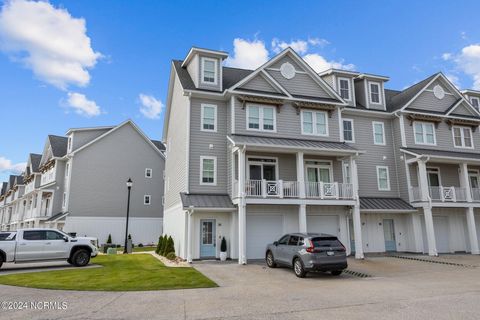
(323,224)
(477,225)
(440,225)
(262,230)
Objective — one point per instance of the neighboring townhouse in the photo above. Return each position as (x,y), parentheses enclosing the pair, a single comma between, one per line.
(254,154)
(78,184)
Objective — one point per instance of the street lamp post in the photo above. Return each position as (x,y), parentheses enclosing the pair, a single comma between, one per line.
(129,187)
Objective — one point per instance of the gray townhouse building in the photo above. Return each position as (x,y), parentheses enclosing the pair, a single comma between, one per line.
(78,184)
(255,154)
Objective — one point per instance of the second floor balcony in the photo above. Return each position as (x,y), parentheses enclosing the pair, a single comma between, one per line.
(447,194)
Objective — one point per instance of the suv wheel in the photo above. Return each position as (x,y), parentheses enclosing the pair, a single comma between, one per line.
(270,260)
(337,272)
(298,268)
(81,258)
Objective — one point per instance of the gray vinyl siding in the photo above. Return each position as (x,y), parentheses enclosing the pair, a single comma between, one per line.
(193,69)
(201,85)
(288,124)
(287,168)
(331,210)
(301,84)
(175,166)
(462,110)
(400,164)
(288,59)
(58,187)
(444,138)
(449,175)
(97,186)
(330,80)
(360,92)
(260,84)
(428,102)
(373,156)
(81,138)
(200,142)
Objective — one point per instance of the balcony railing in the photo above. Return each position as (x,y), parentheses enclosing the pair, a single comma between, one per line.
(445,194)
(291,189)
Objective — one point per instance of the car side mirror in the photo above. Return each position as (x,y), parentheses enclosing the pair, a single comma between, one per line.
(65,239)
(275,243)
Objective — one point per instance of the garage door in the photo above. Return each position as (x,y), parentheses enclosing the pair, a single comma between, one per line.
(477,225)
(323,224)
(440,225)
(262,230)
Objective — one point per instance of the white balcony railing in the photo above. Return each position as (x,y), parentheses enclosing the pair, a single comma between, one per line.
(476,194)
(444,194)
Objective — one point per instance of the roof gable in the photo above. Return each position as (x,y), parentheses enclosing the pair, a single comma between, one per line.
(263,83)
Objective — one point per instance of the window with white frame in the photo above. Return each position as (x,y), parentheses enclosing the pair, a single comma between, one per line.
(148,173)
(69,144)
(347,178)
(383,178)
(378,132)
(209,71)
(147,199)
(462,137)
(208,170)
(475,101)
(209,117)
(64,200)
(67,169)
(348,134)
(344,88)
(375,96)
(261,118)
(314,123)
(424,133)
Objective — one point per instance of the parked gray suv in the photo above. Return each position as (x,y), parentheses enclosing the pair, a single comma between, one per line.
(308,252)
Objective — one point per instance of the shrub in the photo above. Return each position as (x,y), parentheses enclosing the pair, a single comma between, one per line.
(171,256)
(223,245)
(163,249)
(168,246)
(161,240)
(109,240)
(140,245)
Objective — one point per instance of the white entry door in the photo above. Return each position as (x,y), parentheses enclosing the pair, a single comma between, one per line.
(323,224)
(262,230)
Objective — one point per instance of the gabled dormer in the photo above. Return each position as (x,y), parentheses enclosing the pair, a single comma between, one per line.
(370,91)
(342,81)
(205,68)
(473,96)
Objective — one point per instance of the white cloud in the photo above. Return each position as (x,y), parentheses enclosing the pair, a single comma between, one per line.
(468,61)
(319,63)
(300,46)
(6,166)
(151,107)
(82,106)
(453,79)
(447,56)
(49,41)
(248,54)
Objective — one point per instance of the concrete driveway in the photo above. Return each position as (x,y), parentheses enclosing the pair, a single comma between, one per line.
(397,289)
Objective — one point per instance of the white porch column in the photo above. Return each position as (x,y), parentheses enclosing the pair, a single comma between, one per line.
(472,231)
(189,235)
(242,215)
(301,175)
(465,181)
(417,233)
(302,218)
(357,222)
(427,209)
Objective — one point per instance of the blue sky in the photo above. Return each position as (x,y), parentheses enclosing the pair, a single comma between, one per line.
(132,43)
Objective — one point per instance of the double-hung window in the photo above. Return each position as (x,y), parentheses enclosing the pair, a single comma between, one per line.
(209,117)
(475,102)
(375,97)
(344,88)
(378,132)
(209,71)
(348,130)
(424,133)
(208,170)
(315,123)
(261,118)
(462,137)
(383,179)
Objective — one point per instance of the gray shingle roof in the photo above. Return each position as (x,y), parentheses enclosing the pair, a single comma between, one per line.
(159,145)
(35,160)
(205,201)
(371,203)
(442,153)
(399,100)
(4,188)
(230,76)
(289,142)
(59,145)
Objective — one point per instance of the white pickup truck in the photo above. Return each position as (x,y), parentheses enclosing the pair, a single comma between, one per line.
(34,245)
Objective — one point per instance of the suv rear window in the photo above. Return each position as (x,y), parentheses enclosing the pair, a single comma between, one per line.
(326,242)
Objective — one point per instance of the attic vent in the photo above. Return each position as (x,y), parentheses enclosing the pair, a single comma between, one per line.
(438,92)
(287,70)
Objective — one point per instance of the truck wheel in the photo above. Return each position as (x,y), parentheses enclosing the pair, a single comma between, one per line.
(298,268)
(270,260)
(81,258)
(69,261)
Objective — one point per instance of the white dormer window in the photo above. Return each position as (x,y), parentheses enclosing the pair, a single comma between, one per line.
(209,71)
(475,101)
(375,97)
(344,88)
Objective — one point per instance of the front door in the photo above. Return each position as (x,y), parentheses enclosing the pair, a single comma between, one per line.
(389,235)
(207,238)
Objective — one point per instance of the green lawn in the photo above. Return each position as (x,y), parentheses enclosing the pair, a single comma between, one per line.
(137,272)
(139,249)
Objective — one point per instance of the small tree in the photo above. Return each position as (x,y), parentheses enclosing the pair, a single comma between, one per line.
(160,244)
(163,250)
(169,246)
(109,239)
(223,245)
